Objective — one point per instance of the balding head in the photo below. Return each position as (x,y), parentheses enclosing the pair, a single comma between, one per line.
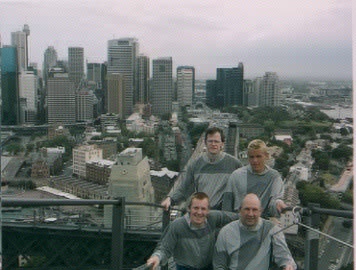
(250,210)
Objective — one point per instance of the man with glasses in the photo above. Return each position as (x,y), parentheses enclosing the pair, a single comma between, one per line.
(209,173)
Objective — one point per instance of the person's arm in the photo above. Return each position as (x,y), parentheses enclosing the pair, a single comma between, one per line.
(281,253)
(220,257)
(277,204)
(153,262)
(166,245)
(183,189)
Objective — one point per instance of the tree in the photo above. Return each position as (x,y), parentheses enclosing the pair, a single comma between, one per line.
(148,147)
(344,131)
(14,148)
(342,153)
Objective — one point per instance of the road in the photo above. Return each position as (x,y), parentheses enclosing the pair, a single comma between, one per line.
(334,254)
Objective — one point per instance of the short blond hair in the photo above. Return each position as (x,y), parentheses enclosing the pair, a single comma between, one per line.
(256,145)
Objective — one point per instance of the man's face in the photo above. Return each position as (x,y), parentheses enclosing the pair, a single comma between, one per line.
(199,211)
(214,143)
(250,212)
(257,159)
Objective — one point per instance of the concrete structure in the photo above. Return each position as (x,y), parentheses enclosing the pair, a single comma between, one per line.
(81,155)
(76,65)
(130,178)
(249,130)
(84,105)
(162,86)
(60,99)
(115,97)
(109,119)
(109,147)
(122,54)
(185,85)
(142,79)
(270,94)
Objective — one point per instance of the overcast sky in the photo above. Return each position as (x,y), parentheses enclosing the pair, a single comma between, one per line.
(295,38)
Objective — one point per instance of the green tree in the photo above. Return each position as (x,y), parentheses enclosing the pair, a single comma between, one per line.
(14,148)
(342,153)
(148,147)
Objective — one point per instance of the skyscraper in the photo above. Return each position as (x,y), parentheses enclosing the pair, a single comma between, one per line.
(60,99)
(230,86)
(19,39)
(9,86)
(116,94)
(269,95)
(162,86)
(142,79)
(50,60)
(84,105)
(211,94)
(185,85)
(28,93)
(76,65)
(122,54)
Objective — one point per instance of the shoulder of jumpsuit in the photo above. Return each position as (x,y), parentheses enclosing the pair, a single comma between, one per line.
(240,170)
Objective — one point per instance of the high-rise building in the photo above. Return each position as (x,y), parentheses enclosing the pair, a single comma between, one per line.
(76,65)
(211,94)
(185,85)
(28,92)
(84,105)
(116,94)
(269,95)
(96,76)
(60,99)
(142,79)
(122,54)
(9,86)
(229,86)
(19,39)
(50,60)
(162,86)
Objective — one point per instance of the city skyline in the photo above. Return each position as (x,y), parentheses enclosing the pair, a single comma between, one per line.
(296,38)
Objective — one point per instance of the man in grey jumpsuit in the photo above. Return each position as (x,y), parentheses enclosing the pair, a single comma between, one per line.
(256,178)
(190,239)
(209,173)
(250,242)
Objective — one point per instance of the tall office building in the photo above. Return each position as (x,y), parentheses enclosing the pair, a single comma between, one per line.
(116,94)
(19,39)
(142,79)
(28,93)
(60,98)
(76,65)
(162,86)
(50,58)
(270,92)
(84,100)
(211,94)
(9,86)
(185,85)
(122,54)
(230,86)
(96,77)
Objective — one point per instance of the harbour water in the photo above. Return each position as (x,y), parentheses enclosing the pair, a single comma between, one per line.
(339,112)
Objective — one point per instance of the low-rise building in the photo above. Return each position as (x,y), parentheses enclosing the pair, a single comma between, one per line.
(81,155)
(98,171)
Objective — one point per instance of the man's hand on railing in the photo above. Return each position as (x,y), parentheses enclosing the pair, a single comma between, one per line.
(153,262)
(281,206)
(167,203)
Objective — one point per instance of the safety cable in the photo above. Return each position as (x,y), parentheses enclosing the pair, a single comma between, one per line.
(296,214)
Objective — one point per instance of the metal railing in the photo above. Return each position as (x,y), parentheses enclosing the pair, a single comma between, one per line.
(118,218)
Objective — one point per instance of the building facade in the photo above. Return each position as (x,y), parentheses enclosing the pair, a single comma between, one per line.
(116,94)
(142,79)
(50,58)
(83,154)
(162,86)
(19,39)
(76,65)
(60,99)
(28,92)
(122,54)
(84,106)
(270,92)
(185,85)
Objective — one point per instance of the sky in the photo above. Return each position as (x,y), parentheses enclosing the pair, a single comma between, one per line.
(295,38)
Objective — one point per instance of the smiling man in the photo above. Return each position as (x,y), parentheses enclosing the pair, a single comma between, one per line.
(190,239)
(209,173)
(251,242)
(256,178)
